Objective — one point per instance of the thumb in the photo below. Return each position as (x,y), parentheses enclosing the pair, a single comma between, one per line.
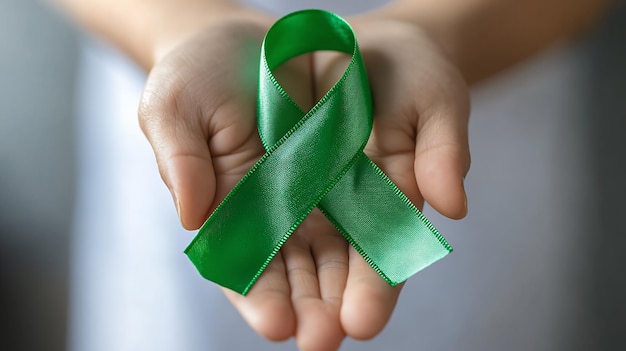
(442,156)
(170,121)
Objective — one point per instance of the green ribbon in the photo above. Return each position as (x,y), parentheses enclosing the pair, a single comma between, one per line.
(313,159)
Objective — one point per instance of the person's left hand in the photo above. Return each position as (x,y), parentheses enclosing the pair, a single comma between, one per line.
(419,139)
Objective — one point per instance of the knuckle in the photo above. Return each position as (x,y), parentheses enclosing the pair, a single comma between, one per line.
(157,104)
(332,264)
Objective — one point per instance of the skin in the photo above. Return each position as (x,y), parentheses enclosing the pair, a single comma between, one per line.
(198,112)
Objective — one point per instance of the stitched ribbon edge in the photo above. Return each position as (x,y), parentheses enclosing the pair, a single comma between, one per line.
(359,154)
(355,56)
(409,204)
(280,142)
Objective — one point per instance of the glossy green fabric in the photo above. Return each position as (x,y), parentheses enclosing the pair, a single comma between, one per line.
(313,159)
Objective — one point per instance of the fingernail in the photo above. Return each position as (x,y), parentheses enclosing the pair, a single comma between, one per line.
(464,198)
(181,218)
(176,202)
(465,204)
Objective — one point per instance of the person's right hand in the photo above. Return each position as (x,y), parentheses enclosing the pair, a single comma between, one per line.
(198,112)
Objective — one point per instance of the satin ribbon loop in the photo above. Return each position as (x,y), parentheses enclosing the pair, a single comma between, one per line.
(313,159)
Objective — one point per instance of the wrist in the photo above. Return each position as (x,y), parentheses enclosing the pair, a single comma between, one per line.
(171,27)
(427,22)
(385,23)
(184,24)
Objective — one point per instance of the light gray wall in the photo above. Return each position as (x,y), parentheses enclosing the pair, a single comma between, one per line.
(37,58)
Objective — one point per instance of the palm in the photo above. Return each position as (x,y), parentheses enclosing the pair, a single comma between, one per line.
(317,288)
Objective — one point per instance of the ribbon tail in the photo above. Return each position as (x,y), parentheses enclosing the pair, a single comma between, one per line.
(382,224)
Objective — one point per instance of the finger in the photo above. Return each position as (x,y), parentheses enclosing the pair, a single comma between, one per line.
(368,300)
(330,254)
(170,122)
(267,307)
(318,325)
(300,266)
(442,157)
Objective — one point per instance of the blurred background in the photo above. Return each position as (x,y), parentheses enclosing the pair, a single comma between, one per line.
(38,55)
(580,87)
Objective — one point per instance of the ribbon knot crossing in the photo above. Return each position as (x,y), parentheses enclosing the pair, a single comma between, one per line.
(313,159)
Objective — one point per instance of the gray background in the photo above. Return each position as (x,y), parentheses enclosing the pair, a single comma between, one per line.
(38,52)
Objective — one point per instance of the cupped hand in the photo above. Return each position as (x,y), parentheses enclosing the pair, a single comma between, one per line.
(419,139)
(198,112)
